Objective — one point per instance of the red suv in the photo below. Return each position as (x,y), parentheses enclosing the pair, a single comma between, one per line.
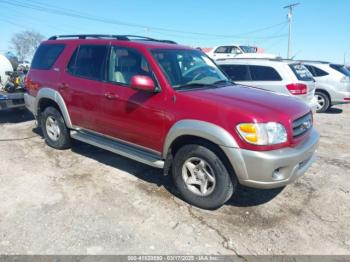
(171,107)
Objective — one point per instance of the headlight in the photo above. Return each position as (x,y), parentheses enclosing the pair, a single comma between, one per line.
(263,133)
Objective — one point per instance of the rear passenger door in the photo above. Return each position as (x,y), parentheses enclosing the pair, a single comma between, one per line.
(81,86)
(265,77)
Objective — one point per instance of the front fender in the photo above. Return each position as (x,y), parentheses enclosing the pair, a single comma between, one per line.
(202,129)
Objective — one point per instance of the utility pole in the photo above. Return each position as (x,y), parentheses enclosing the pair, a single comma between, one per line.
(345,57)
(289,16)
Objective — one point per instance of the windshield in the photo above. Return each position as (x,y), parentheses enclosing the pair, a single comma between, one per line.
(188,68)
(248,49)
(340,68)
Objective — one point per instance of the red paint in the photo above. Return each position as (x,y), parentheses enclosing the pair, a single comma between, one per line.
(144,118)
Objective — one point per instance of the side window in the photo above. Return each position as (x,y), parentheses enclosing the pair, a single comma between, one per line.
(264,73)
(223,50)
(124,63)
(46,56)
(88,61)
(319,72)
(236,72)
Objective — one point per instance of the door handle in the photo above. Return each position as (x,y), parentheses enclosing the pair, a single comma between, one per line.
(111,96)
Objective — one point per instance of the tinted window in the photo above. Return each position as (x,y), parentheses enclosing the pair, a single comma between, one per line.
(46,56)
(226,50)
(301,72)
(340,68)
(264,73)
(249,49)
(88,61)
(315,71)
(124,63)
(236,72)
(223,49)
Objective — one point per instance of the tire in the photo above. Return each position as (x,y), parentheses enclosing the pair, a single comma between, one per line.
(54,129)
(205,161)
(323,102)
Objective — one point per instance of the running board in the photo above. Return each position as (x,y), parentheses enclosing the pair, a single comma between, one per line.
(119,148)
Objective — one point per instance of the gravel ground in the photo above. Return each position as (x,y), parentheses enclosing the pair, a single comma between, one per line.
(89,201)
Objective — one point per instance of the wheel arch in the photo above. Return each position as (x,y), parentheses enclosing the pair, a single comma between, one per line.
(200,130)
(324,91)
(48,96)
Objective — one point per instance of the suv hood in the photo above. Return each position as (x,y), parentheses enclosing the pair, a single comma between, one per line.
(258,104)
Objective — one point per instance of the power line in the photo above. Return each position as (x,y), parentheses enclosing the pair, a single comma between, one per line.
(47,8)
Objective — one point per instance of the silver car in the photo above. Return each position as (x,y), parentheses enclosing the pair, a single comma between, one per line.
(332,84)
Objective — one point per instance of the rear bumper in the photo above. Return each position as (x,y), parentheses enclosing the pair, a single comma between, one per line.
(276,168)
(313,104)
(14,100)
(338,98)
(29,102)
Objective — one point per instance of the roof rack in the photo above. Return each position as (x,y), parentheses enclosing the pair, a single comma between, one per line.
(118,37)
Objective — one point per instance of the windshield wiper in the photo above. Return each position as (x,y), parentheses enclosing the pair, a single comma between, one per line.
(223,82)
(192,85)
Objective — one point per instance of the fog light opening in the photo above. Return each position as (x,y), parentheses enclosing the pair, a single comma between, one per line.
(277,175)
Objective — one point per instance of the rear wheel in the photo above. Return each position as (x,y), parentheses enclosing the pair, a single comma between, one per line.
(201,177)
(54,129)
(323,102)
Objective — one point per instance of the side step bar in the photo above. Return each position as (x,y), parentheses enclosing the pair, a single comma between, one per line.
(119,148)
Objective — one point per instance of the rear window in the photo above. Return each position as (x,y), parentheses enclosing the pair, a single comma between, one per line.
(264,73)
(301,72)
(340,68)
(236,72)
(46,56)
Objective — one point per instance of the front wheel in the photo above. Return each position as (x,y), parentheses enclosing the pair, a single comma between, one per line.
(201,177)
(54,129)
(323,102)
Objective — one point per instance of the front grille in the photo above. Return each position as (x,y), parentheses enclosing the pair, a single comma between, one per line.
(302,125)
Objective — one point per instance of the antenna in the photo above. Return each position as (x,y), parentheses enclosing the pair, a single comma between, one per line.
(289,16)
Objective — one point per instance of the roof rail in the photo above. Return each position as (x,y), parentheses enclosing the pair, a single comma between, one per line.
(314,61)
(252,58)
(118,37)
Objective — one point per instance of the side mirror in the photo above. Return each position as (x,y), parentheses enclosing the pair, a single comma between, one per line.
(144,83)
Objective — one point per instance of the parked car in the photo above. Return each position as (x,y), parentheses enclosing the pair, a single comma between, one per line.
(170,107)
(237,51)
(332,84)
(281,76)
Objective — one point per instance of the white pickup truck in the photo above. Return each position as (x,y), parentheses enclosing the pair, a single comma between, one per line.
(237,51)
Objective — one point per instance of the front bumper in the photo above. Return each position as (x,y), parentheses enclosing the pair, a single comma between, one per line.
(276,168)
